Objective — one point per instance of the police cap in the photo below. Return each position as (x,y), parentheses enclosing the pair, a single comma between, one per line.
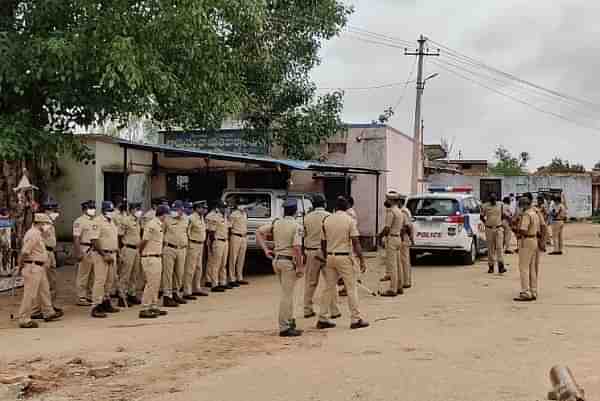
(41,218)
(178,205)
(107,206)
(162,210)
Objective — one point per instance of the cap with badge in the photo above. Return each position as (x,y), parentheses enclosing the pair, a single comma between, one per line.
(178,205)
(50,204)
(41,218)
(107,206)
(162,210)
(88,204)
(188,207)
(199,205)
(392,195)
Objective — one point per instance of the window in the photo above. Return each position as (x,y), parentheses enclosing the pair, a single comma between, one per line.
(336,147)
(257,206)
(433,207)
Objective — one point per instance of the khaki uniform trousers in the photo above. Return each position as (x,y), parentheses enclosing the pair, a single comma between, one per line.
(286,274)
(199,278)
(528,266)
(193,268)
(495,241)
(237,257)
(51,276)
(405,262)
(152,268)
(103,277)
(394,261)
(557,235)
(344,267)
(36,288)
(129,270)
(217,260)
(173,270)
(314,269)
(85,275)
(507,235)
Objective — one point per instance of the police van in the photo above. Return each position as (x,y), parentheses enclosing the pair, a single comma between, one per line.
(447,220)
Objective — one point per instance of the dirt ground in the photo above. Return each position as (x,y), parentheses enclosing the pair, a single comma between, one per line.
(457,335)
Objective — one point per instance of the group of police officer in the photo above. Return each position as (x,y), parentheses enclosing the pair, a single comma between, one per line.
(123,253)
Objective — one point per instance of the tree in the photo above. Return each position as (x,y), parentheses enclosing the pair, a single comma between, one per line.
(187,64)
(558,165)
(509,165)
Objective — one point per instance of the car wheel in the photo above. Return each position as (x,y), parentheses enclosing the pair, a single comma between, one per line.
(470,257)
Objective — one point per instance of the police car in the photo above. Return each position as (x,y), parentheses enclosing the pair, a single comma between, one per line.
(447,220)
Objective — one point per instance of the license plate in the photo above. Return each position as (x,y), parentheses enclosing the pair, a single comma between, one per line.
(429,235)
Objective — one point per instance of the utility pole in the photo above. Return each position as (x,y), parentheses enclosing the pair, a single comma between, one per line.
(417,163)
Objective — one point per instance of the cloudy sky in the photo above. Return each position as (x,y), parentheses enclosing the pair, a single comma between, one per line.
(554,44)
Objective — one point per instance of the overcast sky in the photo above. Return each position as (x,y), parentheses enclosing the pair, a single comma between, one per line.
(554,44)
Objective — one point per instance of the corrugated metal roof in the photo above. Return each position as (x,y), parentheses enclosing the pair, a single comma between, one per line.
(247,158)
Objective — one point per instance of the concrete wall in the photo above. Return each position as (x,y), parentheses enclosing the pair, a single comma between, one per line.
(577,188)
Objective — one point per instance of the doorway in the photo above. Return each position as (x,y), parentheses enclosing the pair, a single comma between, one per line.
(334,187)
(113,187)
(488,187)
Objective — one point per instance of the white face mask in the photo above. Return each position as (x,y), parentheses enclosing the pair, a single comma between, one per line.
(53,216)
(91,212)
(45,228)
(110,215)
(174,214)
(138,214)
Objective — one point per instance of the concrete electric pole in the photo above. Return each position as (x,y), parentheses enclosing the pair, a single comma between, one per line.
(417,163)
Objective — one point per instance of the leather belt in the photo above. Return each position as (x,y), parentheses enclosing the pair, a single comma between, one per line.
(108,251)
(175,246)
(313,249)
(530,236)
(49,249)
(34,262)
(559,219)
(395,235)
(151,256)
(85,243)
(491,227)
(196,242)
(284,257)
(221,239)
(338,253)
(130,246)
(239,235)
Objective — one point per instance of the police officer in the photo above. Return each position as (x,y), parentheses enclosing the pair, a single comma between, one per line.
(129,239)
(176,243)
(491,214)
(151,213)
(150,250)
(287,262)
(238,244)
(217,231)
(33,261)
(559,217)
(529,229)
(106,248)
(395,222)
(199,278)
(407,241)
(507,216)
(195,254)
(339,238)
(315,264)
(84,233)
(383,240)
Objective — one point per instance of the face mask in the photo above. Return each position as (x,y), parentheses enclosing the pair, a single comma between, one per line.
(138,214)
(110,215)
(91,212)
(45,228)
(174,214)
(53,216)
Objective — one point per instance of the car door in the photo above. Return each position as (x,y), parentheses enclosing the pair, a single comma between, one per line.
(478,226)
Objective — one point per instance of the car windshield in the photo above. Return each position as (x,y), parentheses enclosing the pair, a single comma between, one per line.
(257,206)
(432,207)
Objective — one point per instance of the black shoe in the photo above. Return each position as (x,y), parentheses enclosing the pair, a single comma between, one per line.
(133,300)
(359,325)
(293,324)
(56,316)
(508,252)
(108,308)
(57,309)
(553,253)
(501,269)
(208,285)
(97,311)
(115,296)
(227,286)
(217,289)
(29,325)
(325,325)
(169,302)
(147,314)
(290,333)
(406,286)
(343,293)
(38,316)
(388,293)
(200,294)
(523,298)
(559,253)
(159,312)
(178,299)
(189,297)
(121,303)
(234,284)
(306,315)
(339,315)
(491,270)
(243,282)
(400,291)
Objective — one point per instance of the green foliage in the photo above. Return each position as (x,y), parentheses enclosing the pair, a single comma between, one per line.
(558,165)
(188,64)
(507,164)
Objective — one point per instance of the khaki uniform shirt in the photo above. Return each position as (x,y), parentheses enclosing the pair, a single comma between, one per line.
(395,220)
(287,234)
(492,214)
(33,246)
(407,222)
(86,229)
(352,213)
(338,231)
(153,233)
(313,227)
(215,221)
(148,216)
(109,234)
(130,230)
(176,231)
(50,236)
(197,228)
(530,222)
(239,222)
(561,213)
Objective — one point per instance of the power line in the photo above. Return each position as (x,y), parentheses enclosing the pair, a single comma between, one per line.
(408,81)
(361,88)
